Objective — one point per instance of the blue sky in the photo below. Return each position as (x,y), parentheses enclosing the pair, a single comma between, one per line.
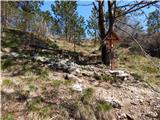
(85,11)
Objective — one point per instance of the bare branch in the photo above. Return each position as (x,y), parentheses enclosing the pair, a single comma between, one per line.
(136,7)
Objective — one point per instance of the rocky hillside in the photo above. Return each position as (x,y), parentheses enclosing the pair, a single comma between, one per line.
(61,84)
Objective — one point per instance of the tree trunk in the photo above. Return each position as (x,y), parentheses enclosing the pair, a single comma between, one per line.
(104,49)
(111,11)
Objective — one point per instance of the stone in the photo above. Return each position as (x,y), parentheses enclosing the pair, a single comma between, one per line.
(114,103)
(77,71)
(120,74)
(14,54)
(72,77)
(152,114)
(8,90)
(87,73)
(77,87)
(40,58)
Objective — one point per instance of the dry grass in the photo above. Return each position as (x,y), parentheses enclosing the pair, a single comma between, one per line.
(86,47)
(141,66)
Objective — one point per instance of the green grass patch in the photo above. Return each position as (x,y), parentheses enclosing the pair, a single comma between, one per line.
(45,111)
(8,117)
(7,82)
(104,106)
(137,76)
(150,69)
(56,83)
(34,105)
(32,87)
(87,96)
(7,62)
(68,82)
(107,78)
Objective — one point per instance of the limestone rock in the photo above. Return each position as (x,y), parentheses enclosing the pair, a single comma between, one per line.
(77,87)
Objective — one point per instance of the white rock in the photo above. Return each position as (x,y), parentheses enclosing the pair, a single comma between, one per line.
(40,58)
(116,71)
(77,71)
(8,91)
(14,54)
(77,87)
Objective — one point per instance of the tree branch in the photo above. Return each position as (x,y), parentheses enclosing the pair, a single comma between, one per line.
(135,8)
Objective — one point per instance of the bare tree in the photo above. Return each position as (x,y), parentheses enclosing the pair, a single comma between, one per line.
(107,36)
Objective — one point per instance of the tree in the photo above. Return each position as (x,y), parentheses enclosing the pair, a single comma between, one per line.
(8,13)
(128,8)
(67,21)
(64,11)
(92,24)
(28,9)
(153,22)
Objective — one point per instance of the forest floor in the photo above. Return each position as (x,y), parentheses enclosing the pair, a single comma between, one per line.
(68,85)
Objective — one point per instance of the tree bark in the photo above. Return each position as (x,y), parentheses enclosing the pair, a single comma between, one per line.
(104,49)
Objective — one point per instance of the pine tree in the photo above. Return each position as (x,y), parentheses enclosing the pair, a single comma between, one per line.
(67,21)
(92,24)
(28,10)
(153,22)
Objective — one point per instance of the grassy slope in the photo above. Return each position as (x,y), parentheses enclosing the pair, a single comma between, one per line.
(35,78)
(145,68)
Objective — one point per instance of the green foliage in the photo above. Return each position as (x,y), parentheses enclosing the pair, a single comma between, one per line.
(153,22)
(92,24)
(103,106)
(67,21)
(11,40)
